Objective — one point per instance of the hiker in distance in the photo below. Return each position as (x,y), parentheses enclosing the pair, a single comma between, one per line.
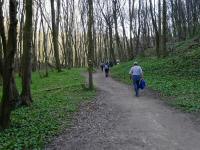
(106,69)
(136,74)
(102,66)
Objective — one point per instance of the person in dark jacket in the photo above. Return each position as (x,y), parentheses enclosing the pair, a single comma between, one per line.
(102,66)
(106,69)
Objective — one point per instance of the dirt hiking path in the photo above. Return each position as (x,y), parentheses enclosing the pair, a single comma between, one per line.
(117,120)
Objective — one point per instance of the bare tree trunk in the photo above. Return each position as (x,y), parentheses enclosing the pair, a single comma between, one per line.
(45,37)
(159,20)
(2,46)
(8,97)
(139,28)
(112,53)
(55,31)
(4,49)
(164,36)
(95,45)
(126,43)
(131,13)
(20,42)
(90,43)
(1,61)
(156,30)
(2,29)
(118,42)
(26,58)
(39,46)
(70,50)
(106,44)
(75,50)
(34,67)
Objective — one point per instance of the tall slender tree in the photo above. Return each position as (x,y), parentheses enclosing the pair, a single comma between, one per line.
(131,14)
(90,43)
(2,38)
(34,49)
(26,58)
(159,21)
(1,59)
(164,34)
(55,31)
(115,18)
(157,35)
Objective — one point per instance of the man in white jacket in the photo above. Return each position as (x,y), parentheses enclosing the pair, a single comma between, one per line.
(136,74)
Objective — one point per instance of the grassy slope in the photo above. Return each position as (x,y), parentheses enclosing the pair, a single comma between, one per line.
(50,113)
(177,75)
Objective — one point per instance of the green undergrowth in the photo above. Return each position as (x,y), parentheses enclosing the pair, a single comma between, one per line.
(177,76)
(56,98)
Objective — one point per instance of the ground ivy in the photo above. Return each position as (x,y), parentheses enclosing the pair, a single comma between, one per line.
(32,127)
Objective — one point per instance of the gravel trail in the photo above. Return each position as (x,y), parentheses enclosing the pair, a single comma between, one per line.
(117,120)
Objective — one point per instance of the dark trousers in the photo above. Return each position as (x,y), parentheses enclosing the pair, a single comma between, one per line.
(136,84)
(106,72)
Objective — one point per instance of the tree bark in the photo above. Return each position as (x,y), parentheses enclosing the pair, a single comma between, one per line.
(112,53)
(1,61)
(8,97)
(26,58)
(20,41)
(126,42)
(34,66)
(90,43)
(3,52)
(156,30)
(139,28)
(131,13)
(115,17)
(55,31)
(159,20)
(45,41)
(164,36)
(2,29)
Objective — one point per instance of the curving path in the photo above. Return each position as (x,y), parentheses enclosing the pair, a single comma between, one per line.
(117,120)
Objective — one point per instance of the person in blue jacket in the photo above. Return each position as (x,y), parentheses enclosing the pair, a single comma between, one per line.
(136,74)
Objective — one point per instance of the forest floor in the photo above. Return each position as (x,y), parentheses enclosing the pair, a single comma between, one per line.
(56,99)
(117,120)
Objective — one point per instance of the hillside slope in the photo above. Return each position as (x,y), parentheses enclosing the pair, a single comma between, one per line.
(177,76)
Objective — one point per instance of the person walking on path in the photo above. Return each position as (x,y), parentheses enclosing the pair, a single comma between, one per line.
(106,69)
(136,74)
(102,66)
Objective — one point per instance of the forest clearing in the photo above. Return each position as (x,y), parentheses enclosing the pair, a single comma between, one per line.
(71,74)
